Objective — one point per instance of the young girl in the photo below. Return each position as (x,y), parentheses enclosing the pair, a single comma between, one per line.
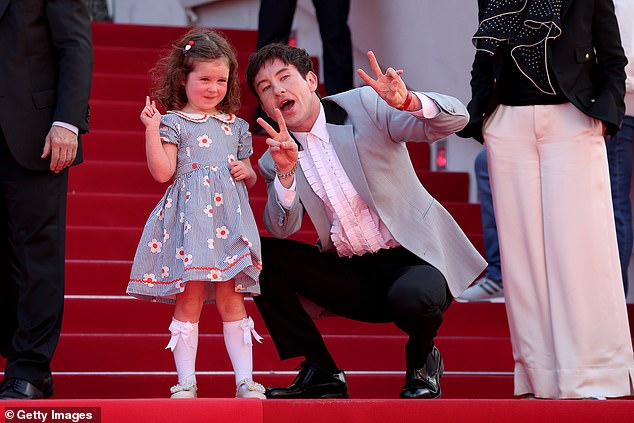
(200,244)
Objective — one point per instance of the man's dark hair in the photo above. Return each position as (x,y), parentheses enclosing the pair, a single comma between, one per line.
(297,57)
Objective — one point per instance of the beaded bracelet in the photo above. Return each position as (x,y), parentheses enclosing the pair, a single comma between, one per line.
(407,101)
(285,175)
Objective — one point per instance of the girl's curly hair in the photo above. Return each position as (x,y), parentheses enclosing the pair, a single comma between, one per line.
(170,73)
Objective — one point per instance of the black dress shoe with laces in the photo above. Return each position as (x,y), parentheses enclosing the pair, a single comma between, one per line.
(424,382)
(16,389)
(313,382)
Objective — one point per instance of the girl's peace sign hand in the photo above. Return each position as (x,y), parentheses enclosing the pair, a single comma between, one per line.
(150,116)
(282,147)
(388,85)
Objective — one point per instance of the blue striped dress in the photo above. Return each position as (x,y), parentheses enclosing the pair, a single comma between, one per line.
(203,228)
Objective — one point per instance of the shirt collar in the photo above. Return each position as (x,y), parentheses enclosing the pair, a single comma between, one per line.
(197,117)
(319,129)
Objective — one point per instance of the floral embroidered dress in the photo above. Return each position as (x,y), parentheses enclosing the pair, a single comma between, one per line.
(203,228)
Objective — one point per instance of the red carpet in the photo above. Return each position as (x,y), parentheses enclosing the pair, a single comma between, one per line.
(338,411)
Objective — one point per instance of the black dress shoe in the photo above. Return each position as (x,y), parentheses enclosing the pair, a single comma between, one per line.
(16,389)
(313,382)
(424,382)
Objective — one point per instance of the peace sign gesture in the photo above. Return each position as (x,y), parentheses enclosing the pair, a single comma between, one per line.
(389,85)
(150,116)
(282,147)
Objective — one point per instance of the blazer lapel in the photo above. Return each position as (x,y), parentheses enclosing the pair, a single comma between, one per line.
(342,138)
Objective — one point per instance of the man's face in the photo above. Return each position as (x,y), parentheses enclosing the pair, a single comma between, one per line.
(281,86)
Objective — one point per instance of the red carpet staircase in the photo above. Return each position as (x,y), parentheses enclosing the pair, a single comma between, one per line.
(112,346)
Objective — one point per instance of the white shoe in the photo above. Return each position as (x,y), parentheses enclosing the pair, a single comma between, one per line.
(185,390)
(247,388)
(484,289)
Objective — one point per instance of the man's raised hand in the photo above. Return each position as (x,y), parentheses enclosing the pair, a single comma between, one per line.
(282,147)
(389,85)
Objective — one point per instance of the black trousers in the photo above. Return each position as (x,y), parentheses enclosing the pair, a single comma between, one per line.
(390,285)
(275,22)
(32,249)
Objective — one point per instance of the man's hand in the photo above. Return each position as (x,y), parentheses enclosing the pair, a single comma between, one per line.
(389,85)
(282,147)
(61,146)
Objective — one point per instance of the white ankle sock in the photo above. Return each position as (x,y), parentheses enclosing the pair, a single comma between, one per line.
(184,344)
(239,346)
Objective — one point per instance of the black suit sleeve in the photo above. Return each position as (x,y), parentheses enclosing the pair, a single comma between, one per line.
(482,84)
(609,103)
(69,25)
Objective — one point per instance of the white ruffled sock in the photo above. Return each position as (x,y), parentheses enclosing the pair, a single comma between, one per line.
(239,346)
(184,345)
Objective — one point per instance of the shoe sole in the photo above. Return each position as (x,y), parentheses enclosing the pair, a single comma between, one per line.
(488,300)
(335,396)
(307,395)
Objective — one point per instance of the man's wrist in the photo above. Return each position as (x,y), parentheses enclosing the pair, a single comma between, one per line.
(407,102)
(285,174)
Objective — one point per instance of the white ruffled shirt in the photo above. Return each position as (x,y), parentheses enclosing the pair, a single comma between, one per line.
(356,229)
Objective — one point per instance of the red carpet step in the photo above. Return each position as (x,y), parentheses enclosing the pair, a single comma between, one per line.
(133,177)
(117,210)
(340,411)
(93,314)
(117,145)
(222,385)
(120,243)
(81,352)
(148,37)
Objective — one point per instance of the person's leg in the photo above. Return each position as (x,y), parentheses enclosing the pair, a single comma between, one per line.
(415,301)
(9,293)
(275,20)
(489,228)
(332,16)
(184,340)
(592,345)
(8,284)
(238,331)
(514,166)
(35,268)
(388,286)
(489,287)
(619,149)
(290,268)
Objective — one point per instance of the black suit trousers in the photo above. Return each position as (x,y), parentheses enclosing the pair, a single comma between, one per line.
(390,285)
(32,249)
(275,22)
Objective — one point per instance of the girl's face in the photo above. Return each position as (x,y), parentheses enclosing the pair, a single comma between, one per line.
(206,86)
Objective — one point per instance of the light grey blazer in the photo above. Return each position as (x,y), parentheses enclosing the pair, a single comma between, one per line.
(370,144)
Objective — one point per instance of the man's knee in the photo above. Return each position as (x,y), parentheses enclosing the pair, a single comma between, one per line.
(419,293)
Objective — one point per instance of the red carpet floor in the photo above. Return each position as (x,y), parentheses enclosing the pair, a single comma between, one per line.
(331,411)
